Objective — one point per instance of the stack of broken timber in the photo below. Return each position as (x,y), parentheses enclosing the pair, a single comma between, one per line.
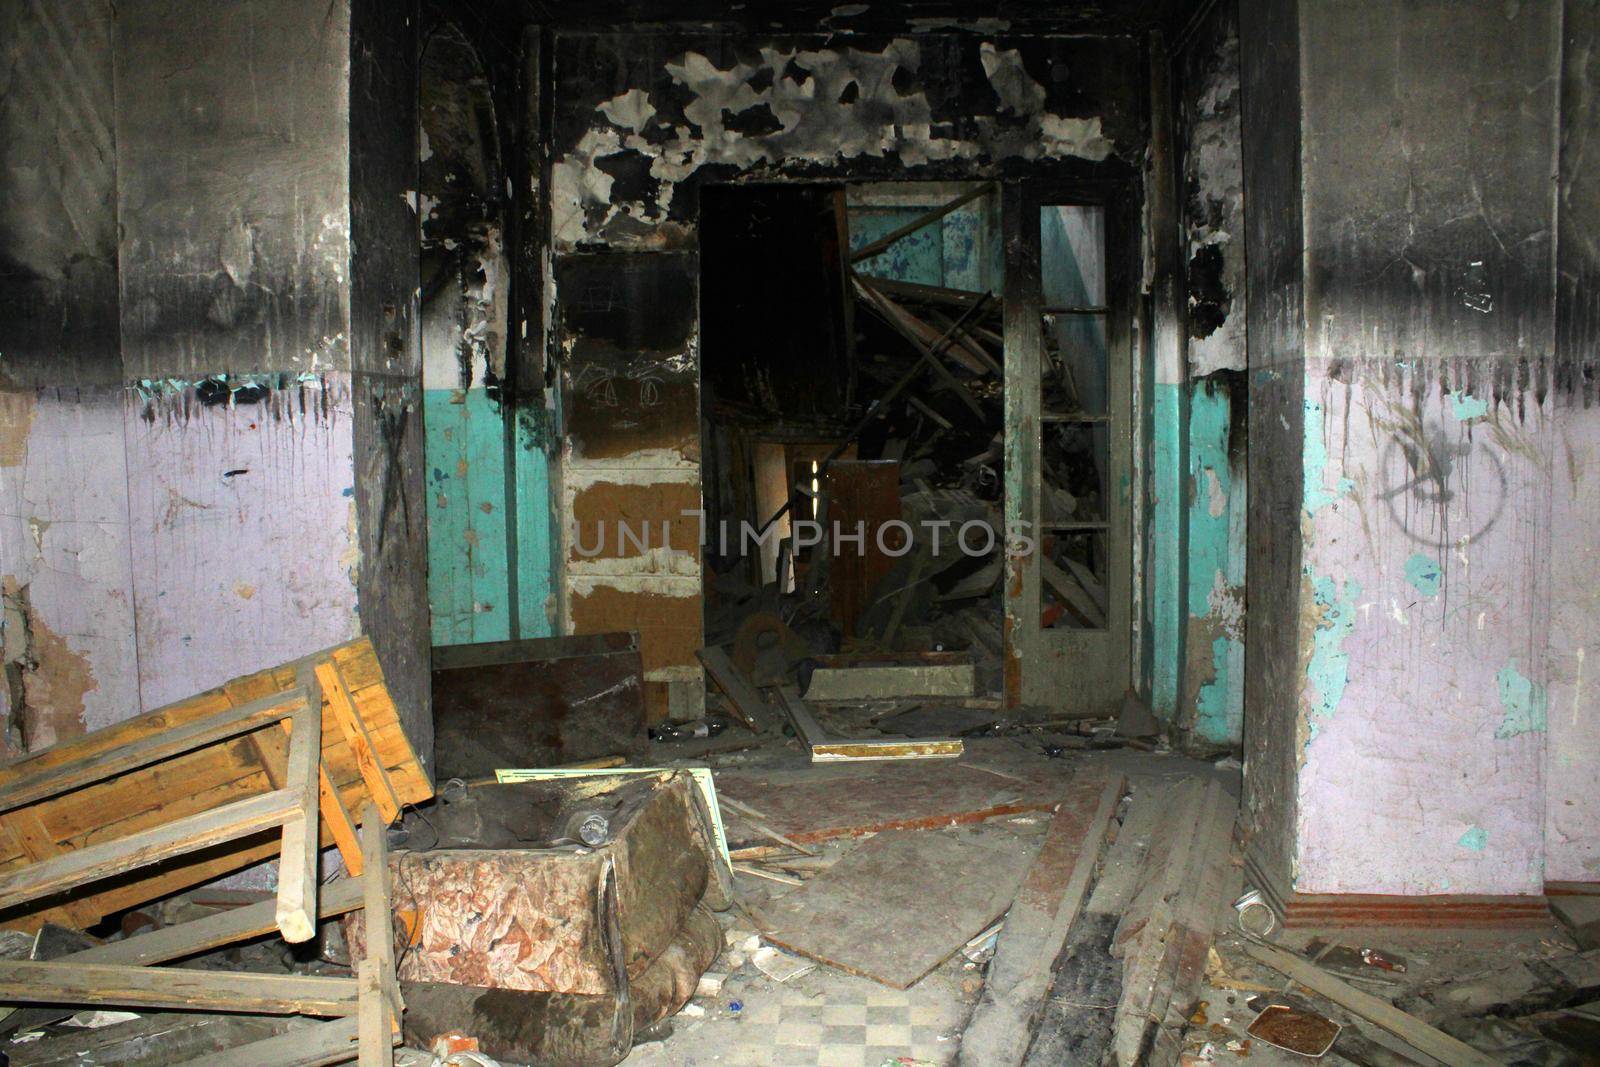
(1168,924)
(268,764)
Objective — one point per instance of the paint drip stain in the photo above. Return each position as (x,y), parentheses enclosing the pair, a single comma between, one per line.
(1424,574)
(1524,703)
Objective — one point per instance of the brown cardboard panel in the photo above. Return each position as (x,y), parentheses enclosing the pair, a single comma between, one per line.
(656,514)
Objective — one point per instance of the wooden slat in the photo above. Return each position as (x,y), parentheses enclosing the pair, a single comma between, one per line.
(201,935)
(309,1046)
(174,988)
(273,748)
(356,736)
(298,872)
(1413,1031)
(224,928)
(36,844)
(191,834)
(28,787)
(374,1024)
(376,895)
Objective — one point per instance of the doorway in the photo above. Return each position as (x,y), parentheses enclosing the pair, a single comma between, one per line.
(900,380)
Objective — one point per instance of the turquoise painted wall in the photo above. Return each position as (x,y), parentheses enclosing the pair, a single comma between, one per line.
(1215,512)
(490,564)
(960,251)
(1164,555)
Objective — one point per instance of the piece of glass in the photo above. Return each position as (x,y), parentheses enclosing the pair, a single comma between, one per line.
(1072,256)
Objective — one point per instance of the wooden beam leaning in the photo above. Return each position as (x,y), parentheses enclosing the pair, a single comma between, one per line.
(380,1002)
(355,733)
(227,823)
(298,872)
(272,748)
(30,787)
(174,988)
(746,702)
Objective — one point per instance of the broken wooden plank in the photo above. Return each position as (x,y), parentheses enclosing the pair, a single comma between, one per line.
(1413,1031)
(1144,932)
(846,679)
(354,728)
(748,707)
(842,751)
(758,824)
(174,988)
(298,862)
(376,911)
(1189,941)
(68,870)
(308,1046)
(1037,924)
(901,903)
(24,783)
(827,749)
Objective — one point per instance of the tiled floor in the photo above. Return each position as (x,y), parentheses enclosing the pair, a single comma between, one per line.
(822,1019)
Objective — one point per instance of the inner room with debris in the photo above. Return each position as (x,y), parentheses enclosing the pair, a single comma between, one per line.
(966,533)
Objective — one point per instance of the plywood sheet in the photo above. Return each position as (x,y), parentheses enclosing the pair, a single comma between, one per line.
(902,902)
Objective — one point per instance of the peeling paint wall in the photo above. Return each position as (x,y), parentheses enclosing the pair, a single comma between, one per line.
(1572,809)
(1439,478)
(1203,431)
(692,107)
(188,460)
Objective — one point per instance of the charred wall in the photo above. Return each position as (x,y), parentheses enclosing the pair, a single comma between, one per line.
(182,499)
(641,122)
(385,352)
(1274,241)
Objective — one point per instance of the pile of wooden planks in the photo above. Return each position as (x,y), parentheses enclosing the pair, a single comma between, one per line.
(270,764)
(1168,923)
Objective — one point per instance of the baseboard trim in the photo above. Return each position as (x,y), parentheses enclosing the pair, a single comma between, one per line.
(1309,911)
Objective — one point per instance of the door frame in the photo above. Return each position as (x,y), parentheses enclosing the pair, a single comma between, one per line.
(1082,672)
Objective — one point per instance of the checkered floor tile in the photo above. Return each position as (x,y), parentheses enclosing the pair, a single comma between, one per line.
(847,1023)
